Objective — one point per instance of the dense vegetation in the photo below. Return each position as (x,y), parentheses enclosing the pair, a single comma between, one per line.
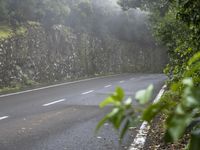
(96,17)
(176,24)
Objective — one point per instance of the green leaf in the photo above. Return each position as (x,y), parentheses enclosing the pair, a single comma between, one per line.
(150,112)
(176,126)
(195,138)
(144,96)
(101,123)
(195,58)
(106,102)
(124,129)
(119,94)
(113,112)
(188,82)
(128,102)
(192,69)
(118,120)
(179,110)
(114,99)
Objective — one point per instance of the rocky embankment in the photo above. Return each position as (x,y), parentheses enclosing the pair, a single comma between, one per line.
(59,53)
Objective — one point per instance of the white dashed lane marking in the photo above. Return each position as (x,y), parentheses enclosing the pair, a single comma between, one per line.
(4,117)
(48,104)
(121,81)
(107,86)
(88,92)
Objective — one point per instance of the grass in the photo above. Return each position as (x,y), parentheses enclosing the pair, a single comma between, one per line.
(19,87)
(5,32)
(10,89)
(21,30)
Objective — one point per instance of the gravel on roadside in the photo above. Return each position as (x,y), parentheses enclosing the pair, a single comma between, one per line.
(155,136)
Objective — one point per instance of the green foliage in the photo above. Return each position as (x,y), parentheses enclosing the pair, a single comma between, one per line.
(21,30)
(15,12)
(5,32)
(85,8)
(3,9)
(122,115)
(176,24)
(195,138)
(144,95)
(185,111)
(193,69)
(52,12)
(180,110)
(165,105)
(9,89)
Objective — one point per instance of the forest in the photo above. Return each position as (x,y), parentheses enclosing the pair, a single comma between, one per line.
(46,41)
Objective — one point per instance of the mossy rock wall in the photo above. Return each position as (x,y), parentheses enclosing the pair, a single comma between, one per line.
(58,53)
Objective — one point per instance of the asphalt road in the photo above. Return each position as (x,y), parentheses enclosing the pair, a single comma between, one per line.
(64,117)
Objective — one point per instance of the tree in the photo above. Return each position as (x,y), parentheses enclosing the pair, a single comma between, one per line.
(3,10)
(50,12)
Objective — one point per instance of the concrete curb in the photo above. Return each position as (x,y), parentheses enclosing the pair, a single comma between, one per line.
(141,136)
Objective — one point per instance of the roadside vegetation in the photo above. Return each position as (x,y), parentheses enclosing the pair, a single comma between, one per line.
(176,25)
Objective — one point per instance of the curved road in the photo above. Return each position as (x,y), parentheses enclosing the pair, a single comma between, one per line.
(63,117)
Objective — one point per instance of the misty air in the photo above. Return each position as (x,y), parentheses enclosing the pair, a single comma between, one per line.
(99,75)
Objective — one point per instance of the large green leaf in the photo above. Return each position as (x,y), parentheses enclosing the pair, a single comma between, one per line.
(176,126)
(107,101)
(118,94)
(144,96)
(151,111)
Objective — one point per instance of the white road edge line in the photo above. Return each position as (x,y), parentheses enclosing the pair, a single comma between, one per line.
(56,85)
(107,86)
(140,138)
(4,117)
(48,104)
(121,81)
(88,92)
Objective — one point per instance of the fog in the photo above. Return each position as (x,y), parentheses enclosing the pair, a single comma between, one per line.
(128,25)
(47,41)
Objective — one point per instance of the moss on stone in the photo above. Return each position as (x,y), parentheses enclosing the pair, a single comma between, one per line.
(5,32)
(9,89)
(21,30)
(33,23)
